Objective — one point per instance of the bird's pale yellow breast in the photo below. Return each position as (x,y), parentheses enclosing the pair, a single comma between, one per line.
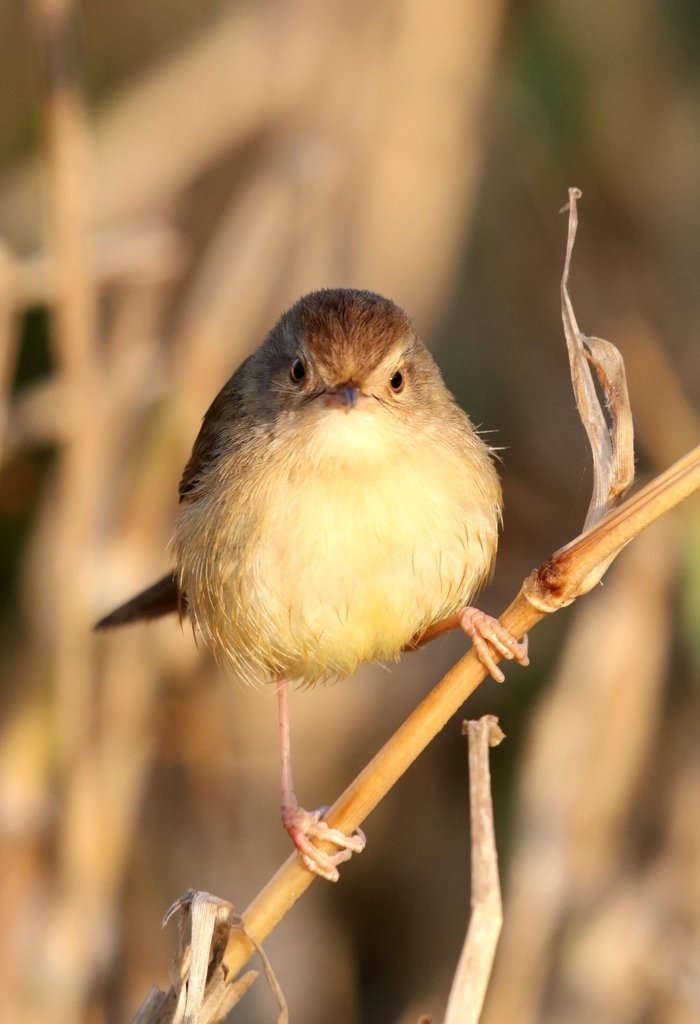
(343,552)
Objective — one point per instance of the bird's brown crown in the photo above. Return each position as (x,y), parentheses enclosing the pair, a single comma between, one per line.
(345,329)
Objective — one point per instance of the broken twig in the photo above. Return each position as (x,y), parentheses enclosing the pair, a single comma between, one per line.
(203,991)
(474,967)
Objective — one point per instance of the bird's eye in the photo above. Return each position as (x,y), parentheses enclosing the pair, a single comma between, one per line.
(397,382)
(297,371)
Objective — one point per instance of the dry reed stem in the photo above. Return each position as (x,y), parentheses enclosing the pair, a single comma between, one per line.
(571,571)
(74,341)
(577,784)
(474,968)
(565,572)
(96,819)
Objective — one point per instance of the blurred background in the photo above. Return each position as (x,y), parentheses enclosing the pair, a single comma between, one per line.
(172,176)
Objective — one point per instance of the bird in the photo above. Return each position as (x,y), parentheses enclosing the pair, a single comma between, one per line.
(338,508)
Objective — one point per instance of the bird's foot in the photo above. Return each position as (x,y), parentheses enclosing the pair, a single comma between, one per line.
(304,826)
(488,635)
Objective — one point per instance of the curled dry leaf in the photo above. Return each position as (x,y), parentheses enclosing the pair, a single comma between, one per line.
(612,446)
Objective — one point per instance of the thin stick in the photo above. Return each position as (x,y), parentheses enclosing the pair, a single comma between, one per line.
(474,968)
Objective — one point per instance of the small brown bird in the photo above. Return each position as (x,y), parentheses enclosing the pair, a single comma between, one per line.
(338,507)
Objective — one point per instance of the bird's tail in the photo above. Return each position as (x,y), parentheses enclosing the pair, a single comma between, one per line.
(161,598)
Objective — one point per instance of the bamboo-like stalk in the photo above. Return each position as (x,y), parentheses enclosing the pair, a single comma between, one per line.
(585,764)
(554,585)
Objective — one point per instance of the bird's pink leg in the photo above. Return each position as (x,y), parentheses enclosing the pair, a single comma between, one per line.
(303,826)
(486,634)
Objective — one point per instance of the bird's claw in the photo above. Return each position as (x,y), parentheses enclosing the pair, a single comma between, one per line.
(488,635)
(304,826)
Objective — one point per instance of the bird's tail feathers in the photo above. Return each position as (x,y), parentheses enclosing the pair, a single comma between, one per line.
(162,598)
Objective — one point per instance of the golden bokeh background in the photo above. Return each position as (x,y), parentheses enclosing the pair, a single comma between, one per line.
(172,176)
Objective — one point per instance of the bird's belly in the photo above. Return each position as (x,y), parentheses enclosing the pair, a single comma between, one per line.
(345,570)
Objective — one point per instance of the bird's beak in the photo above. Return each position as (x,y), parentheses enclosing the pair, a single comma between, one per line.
(345,396)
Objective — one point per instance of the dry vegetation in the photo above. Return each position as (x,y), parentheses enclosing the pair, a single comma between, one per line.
(420,150)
